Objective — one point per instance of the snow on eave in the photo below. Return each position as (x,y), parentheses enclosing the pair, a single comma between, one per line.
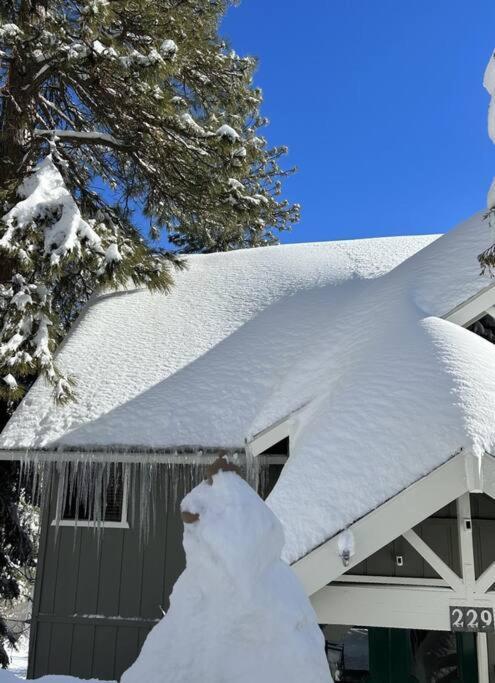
(350,527)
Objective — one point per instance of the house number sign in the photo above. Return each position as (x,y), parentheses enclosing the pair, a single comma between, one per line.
(471,619)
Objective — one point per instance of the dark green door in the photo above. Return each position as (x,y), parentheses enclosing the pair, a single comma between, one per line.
(403,656)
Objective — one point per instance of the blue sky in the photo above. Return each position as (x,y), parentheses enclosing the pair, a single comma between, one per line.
(381,105)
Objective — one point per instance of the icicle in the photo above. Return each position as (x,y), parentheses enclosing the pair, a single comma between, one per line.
(80,483)
(346,546)
(252,465)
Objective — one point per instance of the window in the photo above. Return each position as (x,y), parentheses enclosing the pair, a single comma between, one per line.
(80,509)
(273,461)
(484,327)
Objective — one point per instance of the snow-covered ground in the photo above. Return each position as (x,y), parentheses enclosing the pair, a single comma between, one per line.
(19,658)
(18,668)
(9,677)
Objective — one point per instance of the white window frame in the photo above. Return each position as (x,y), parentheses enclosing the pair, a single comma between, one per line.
(92,523)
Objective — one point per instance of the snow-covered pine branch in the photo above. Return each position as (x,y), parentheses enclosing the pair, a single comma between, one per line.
(81,137)
(487,258)
(57,259)
(145,96)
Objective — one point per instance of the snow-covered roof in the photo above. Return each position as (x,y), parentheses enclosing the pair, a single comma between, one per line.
(196,366)
(392,391)
(348,337)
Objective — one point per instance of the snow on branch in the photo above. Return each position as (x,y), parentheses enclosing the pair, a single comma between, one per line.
(489,84)
(56,260)
(487,258)
(82,137)
(45,193)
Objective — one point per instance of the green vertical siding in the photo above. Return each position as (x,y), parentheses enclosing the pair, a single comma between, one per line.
(96,598)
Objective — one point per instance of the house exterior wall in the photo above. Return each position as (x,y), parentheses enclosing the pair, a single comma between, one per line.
(97,596)
(440,532)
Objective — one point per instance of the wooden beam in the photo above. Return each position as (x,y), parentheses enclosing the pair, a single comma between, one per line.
(486,580)
(390,606)
(391,580)
(386,523)
(454,581)
(482,657)
(465,531)
(269,437)
(281,429)
(466,313)
(177,456)
(488,474)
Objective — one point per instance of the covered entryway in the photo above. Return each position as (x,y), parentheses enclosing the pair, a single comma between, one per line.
(381,655)
(418,593)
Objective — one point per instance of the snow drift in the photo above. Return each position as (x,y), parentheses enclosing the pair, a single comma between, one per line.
(237,613)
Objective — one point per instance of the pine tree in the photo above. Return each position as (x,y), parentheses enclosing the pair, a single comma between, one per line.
(143,95)
(106,106)
(59,258)
(16,548)
(143,99)
(487,257)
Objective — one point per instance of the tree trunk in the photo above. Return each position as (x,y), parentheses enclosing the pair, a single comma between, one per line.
(16,116)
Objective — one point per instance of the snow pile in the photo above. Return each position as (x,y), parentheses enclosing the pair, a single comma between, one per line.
(168,49)
(7,677)
(228,133)
(389,391)
(237,613)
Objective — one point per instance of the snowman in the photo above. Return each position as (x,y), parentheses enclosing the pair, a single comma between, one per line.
(237,614)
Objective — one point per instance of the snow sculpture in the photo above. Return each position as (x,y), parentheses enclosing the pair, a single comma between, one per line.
(237,613)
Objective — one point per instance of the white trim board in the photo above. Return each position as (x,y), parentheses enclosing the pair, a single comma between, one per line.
(408,607)
(466,313)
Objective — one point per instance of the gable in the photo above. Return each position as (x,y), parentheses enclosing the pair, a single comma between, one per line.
(462,474)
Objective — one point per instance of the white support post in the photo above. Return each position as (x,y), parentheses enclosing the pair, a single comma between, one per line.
(482,654)
(454,581)
(465,530)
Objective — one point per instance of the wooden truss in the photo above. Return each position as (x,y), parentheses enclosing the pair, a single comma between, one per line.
(401,602)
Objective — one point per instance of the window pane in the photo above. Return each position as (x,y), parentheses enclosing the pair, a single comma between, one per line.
(112,500)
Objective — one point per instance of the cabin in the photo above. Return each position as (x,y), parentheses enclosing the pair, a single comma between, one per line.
(355,384)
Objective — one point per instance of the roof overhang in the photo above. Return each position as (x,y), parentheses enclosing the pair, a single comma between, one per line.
(470,310)
(463,473)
